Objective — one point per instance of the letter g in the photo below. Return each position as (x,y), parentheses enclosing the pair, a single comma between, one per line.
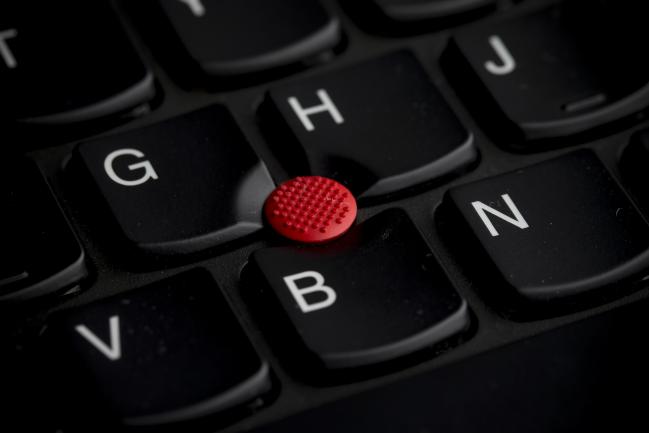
(148,174)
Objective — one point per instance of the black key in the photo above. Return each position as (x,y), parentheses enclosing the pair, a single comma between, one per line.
(40,253)
(68,61)
(169,352)
(377,127)
(585,376)
(635,161)
(183,185)
(412,11)
(556,71)
(550,231)
(233,37)
(372,296)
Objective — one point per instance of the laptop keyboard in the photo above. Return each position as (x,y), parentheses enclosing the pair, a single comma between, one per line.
(245,215)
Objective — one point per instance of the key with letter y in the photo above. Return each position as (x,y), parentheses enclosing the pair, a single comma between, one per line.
(66,62)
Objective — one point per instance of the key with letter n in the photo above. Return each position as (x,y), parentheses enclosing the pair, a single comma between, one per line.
(559,229)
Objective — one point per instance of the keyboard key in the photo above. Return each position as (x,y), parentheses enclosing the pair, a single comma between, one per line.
(550,231)
(50,75)
(180,186)
(583,376)
(41,254)
(555,72)
(172,351)
(412,11)
(377,127)
(235,37)
(371,296)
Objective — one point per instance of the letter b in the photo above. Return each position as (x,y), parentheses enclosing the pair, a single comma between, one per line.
(318,287)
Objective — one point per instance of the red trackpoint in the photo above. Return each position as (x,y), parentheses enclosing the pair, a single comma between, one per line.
(311,209)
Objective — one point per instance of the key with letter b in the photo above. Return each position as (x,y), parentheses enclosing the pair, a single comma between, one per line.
(371,296)
(548,232)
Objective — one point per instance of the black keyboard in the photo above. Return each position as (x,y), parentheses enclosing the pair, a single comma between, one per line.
(324,216)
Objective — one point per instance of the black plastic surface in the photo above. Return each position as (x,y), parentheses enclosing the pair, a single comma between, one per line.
(235,37)
(555,72)
(165,353)
(553,230)
(180,186)
(372,296)
(40,252)
(592,361)
(408,11)
(64,63)
(336,125)
(589,376)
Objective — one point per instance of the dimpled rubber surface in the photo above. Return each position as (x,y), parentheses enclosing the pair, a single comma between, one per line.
(311,209)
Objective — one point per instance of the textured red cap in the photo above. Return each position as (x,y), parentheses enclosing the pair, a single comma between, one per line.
(311,209)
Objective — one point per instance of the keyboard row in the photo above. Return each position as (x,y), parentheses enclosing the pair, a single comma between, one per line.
(531,75)
(193,183)
(541,238)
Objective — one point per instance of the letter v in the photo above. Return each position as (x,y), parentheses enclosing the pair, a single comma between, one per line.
(112,352)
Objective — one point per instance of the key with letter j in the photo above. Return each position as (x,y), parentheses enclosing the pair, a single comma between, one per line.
(556,71)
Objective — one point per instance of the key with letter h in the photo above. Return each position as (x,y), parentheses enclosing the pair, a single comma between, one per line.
(377,127)
(550,231)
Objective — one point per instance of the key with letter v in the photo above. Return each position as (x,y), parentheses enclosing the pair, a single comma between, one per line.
(112,351)
(164,353)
